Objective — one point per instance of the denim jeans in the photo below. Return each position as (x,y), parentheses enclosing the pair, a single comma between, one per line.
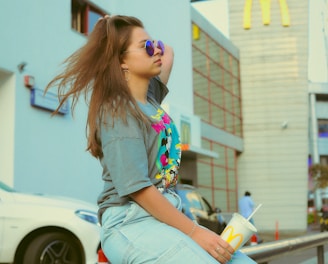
(131,235)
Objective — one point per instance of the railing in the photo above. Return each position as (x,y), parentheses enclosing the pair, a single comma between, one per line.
(263,253)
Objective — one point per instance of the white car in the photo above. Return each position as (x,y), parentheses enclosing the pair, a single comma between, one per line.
(40,229)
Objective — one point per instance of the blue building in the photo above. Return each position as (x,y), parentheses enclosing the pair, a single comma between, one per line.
(44,153)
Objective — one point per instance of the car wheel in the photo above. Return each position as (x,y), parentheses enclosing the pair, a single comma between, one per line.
(53,248)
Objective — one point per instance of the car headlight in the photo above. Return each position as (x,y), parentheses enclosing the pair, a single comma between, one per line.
(88,216)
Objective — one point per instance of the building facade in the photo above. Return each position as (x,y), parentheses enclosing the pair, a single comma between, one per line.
(217,101)
(284,74)
(318,94)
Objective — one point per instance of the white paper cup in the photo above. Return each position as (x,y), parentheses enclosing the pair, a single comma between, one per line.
(238,231)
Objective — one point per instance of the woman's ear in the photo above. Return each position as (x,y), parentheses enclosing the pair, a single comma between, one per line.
(124,66)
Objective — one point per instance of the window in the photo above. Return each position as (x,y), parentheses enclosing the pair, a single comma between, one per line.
(217,101)
(216,84)
(323,128)
(194,200)
(324,160)
(84,16)
(219,176)
(322,97)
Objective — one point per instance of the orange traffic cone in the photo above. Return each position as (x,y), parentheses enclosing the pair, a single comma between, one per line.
(277,231)
(253,240)
(102,258)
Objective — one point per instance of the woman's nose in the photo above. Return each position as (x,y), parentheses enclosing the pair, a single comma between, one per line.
(157,51)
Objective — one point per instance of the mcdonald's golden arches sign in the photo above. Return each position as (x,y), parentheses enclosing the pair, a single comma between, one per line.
(265,9)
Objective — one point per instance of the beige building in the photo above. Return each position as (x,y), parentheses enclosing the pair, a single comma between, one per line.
(273,69)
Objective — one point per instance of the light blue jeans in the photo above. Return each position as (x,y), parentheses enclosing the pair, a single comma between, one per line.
(131,235)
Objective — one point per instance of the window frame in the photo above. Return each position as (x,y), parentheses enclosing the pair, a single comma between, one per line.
(323,128)
(80,15)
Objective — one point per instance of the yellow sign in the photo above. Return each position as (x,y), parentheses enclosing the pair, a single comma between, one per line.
(266,13)
(195,32)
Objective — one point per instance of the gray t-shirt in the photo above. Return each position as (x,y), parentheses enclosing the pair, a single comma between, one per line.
(135,157)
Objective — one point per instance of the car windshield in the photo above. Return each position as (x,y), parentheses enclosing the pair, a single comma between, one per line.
(194,200)
(6,187)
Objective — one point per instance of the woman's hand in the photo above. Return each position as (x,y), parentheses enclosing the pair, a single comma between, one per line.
(213,244)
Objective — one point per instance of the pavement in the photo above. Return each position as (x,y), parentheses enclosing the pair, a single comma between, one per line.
(308,256)
(272,236)
(314,260)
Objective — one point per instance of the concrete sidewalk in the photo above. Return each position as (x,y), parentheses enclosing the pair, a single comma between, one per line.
(314,260)
(308,256)
(271,236)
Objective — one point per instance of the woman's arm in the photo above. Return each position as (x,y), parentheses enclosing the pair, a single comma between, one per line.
(167,64)
(158,206)
(157,86)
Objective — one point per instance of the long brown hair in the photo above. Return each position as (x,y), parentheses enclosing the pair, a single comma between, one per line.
(95,70)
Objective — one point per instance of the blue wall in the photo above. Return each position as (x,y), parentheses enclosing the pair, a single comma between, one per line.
(47,153)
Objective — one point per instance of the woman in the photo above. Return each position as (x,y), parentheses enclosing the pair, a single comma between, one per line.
(138,147)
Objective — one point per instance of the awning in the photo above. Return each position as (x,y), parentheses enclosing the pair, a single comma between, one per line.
(194,152)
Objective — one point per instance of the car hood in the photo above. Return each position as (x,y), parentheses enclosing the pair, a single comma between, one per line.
(53,201)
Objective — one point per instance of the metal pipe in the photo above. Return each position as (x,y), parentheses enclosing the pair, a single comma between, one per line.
(268,251)
(321,254)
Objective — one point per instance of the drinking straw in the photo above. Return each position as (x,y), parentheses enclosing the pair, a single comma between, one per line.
(254,212)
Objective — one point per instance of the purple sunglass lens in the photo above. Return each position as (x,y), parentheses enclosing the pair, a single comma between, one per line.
(160,45)
(150,49)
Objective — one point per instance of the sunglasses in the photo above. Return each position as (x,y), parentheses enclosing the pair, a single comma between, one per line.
(150,47)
